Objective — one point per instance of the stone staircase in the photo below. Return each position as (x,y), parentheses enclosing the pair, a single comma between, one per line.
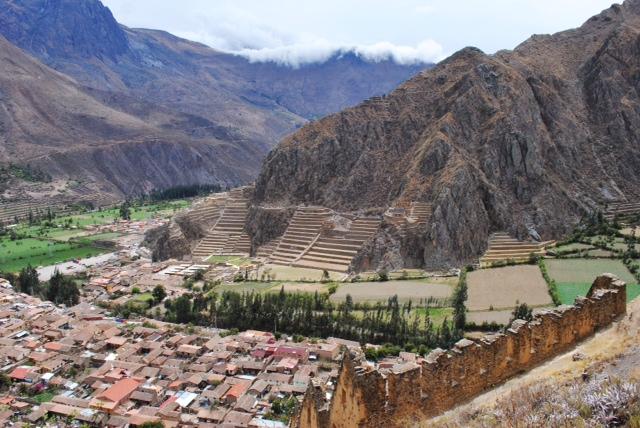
(503,247)
(334,252)
(420,212)
(227,236)
(621,209)
(303,230)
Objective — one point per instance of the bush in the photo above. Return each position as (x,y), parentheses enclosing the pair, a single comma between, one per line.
(383,275)
(135,290)
(551,284)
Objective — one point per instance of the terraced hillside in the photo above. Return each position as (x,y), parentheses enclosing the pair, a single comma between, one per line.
(503,247)
(227,236)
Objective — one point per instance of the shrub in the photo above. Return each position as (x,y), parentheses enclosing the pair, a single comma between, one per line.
(551,284)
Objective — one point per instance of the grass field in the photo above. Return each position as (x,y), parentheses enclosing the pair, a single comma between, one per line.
(413,290)
(577,246)
(568,291)
(502,288)
(248,287)
(575,276)
(43,246)
(14,255)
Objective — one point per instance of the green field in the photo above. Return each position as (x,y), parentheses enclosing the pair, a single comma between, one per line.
(39,245)
(569,291)
(14,255)
(575,276)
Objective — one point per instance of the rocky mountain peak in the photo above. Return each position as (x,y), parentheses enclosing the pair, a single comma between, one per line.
(62,28)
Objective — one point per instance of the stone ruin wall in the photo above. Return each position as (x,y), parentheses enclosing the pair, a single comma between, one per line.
(364,397)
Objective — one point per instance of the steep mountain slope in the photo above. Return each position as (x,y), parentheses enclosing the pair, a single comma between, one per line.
(263,101)
(535,137)
(49,122)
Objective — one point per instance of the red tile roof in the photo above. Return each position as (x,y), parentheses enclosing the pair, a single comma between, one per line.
(19,373)
(120,390)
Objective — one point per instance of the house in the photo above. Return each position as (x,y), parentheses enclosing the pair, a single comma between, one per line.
(293,352)
(115,395)
(236,391)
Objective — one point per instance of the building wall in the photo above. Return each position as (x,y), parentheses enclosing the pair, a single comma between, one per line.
(368,398)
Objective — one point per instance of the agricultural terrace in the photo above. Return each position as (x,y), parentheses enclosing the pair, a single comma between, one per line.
(502,288)
(574,276)
(408,290)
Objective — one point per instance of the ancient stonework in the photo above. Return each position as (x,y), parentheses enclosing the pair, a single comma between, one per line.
(365,397)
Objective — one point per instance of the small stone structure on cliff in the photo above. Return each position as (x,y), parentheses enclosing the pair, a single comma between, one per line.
(365,397)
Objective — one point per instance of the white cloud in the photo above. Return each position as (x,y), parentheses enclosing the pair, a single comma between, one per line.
(299,54)
(294,32)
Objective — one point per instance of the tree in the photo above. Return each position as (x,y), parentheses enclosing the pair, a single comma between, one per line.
(28,281)
(459,298)
(522,312)
(62,290)
(159,293)
(183,309)
(150,424)
(125,211)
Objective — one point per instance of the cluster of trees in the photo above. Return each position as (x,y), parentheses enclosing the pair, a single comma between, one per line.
(59,289)
(180,192)
(314,315)
(125,211)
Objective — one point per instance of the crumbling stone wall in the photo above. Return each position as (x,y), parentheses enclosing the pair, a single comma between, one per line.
(364,397)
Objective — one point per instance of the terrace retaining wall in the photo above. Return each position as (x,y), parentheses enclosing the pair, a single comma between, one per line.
(365,397)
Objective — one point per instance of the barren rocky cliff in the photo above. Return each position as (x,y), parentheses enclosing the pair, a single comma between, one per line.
(531,138)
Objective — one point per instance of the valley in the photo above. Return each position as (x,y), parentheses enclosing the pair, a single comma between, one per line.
(190,237)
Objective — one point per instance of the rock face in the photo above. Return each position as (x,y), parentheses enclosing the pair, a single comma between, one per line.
(534,137)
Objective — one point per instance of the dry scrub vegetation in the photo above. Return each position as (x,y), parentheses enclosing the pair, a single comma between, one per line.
(601,401)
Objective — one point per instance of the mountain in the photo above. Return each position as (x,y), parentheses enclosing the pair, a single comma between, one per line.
(83,40)
(174,90)
(534,138)
(49,122)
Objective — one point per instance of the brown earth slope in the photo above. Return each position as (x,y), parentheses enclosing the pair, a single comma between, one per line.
(48,121)
(534,137)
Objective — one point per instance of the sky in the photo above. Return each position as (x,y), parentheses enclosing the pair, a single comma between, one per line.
(296,32)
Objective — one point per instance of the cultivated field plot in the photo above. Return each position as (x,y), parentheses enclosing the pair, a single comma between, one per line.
(289,273)
(502,288)
(586,270)
(413,290)
(14,255)
(575,276)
